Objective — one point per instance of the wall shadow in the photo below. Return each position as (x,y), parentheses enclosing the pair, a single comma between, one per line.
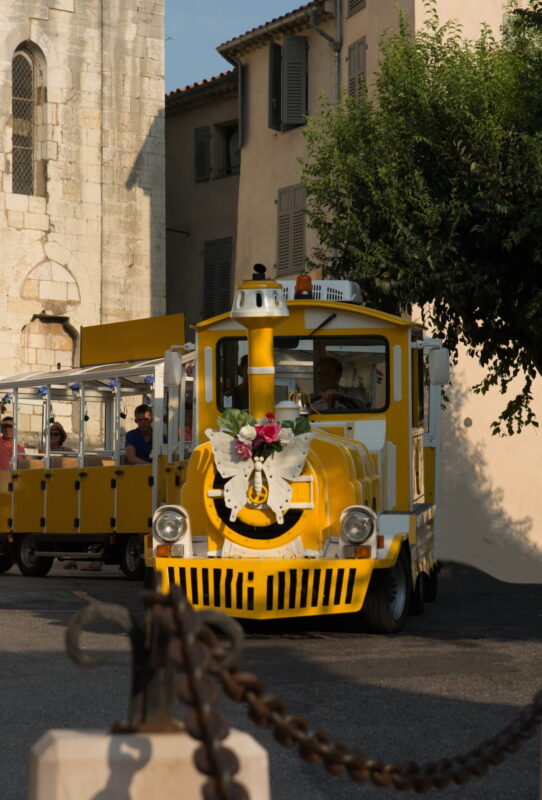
(149,163)
(476,529)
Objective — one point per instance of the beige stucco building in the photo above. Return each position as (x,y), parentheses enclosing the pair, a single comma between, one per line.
(491,503)
(202,184)
(81,172)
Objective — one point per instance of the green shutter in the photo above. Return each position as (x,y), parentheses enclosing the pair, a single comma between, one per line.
(274,96)
(291,229)
(355,5)
(217,269)
(202,153)
(294,80)
(356,65)
(243,104)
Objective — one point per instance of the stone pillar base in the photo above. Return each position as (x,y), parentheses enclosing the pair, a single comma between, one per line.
(95,765)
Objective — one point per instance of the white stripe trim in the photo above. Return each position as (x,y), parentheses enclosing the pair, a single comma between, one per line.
(261,370)
(208,372)
(397,374)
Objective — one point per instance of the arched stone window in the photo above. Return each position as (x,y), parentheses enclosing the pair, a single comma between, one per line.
(28,117)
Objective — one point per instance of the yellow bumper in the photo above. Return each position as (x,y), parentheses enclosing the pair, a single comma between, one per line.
(269,588)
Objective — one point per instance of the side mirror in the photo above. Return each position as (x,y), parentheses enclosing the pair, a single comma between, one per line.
(439,366)
(172,368)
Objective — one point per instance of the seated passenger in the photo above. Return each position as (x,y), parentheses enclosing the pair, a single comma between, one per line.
(6,444)
(139,440)
(331,395)
(57,437)
(239,393)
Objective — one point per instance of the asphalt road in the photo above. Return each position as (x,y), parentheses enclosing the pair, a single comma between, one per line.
(457,675)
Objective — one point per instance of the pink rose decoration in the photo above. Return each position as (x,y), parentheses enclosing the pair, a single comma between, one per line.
(269,433)
(243,450)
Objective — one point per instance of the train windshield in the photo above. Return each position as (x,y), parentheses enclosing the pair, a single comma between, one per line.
(334,374)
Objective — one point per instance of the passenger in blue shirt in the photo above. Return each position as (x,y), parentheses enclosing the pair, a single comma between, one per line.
(139,440)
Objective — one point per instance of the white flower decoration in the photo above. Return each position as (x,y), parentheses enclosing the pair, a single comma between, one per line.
(286,435)
(247,434)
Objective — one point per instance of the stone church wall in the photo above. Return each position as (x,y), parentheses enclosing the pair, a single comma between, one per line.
(87,246)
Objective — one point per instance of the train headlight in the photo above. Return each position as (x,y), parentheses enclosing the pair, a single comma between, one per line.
(169,523)
(357,523)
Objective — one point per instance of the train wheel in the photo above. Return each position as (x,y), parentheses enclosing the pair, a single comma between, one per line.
(29,563)
(417,598)
(131,557)
(388,597)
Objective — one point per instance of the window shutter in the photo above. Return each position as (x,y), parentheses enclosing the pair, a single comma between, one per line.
(243,104)
(356,65)
(217,277)
(275,77)
(294,80)
(291,229)
(202,154)
(355,5)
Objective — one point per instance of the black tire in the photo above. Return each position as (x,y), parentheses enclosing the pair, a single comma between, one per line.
(29,563)
(6,561)
(431,586)
(388,597)
(417,598)
(131,557)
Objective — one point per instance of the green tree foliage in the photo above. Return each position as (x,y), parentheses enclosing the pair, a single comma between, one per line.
(428,190)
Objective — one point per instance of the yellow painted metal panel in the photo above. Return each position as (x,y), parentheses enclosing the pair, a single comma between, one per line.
(97,500)
(132,340)
(270,588)
(134,499)
(61,501)
(5,501)
(28,501)
(174,475)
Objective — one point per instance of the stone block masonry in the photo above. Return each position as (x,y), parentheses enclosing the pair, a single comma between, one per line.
(84,243)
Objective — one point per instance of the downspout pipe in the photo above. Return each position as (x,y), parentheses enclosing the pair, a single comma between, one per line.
(335,43)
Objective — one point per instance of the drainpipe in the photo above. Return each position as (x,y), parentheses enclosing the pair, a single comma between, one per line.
(335,44)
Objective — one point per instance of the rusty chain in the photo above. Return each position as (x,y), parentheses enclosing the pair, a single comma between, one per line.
(175,636)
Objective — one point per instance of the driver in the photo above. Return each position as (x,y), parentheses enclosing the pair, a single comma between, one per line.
(332,396)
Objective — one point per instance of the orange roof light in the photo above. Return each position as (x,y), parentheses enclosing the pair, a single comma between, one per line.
(303,287)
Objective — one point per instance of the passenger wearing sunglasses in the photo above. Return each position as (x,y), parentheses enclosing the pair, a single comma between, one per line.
(57,437)
(6,443)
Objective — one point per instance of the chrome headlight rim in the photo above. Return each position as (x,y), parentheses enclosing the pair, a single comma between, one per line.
(173,516)
(364,511)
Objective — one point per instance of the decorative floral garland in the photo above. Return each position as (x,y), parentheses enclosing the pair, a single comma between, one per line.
(260,438)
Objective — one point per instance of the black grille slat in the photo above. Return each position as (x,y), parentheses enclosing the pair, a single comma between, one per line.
(171,575)
(304,588)
(350,586)
(250,598)
(315,587)
(182,579)
(227,588)
(216,585)
(194,585)
(327,586)
(206,600)
(293,588)
(339,586)
(239,591)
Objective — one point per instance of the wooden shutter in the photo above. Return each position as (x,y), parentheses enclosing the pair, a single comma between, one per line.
(294,80)
(275,93)
(356,65)
(202,153)
(243,104)
(217,277)
(291,229)
(355,5)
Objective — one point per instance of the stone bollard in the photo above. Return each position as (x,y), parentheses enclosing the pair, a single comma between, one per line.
(93,765)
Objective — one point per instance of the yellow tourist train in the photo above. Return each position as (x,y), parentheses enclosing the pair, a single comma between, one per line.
(294,466)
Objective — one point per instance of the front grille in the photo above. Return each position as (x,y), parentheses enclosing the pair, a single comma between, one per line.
(261,591)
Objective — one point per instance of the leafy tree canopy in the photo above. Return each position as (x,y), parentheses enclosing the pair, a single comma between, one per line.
(427,190)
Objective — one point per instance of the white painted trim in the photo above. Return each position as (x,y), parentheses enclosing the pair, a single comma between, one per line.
(397,373)
(391,475)
(208,373)
(261,371)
